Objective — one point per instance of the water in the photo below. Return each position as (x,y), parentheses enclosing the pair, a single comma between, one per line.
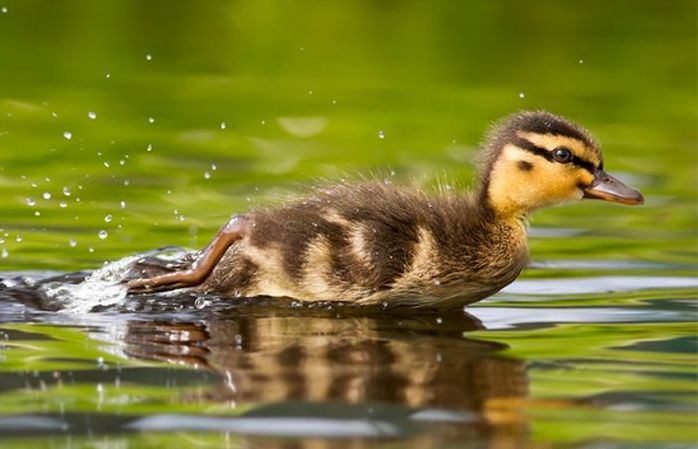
(208,106)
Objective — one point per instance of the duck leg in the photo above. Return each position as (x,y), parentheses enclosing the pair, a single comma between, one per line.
(201,267)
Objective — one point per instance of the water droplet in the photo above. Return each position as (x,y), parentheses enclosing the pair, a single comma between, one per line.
(437,282)
(68,135)
(200,302)
(149,148)
(103,234)
(122,162)
(310,92)
(66,191)
(4,9)
(522,95)
(73,243)
(581,61)
(263,122)
(37,213)
(92,115)
(151,119)
(439,320)
(46,195)
(381,134)
(107,75)
(4,253)
(62,204)
(127,183)
(108,218)
(90,249)
(223,125)
(106,164)
(214,167)
(207,175)
(122,204)
(148,57)
(30,202)
(18,238)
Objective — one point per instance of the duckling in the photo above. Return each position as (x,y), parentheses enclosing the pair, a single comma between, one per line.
(370,243)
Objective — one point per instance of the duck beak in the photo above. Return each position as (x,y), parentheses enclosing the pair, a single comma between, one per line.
(606,187)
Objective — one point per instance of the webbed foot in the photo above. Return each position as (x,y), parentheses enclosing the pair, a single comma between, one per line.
(196,269)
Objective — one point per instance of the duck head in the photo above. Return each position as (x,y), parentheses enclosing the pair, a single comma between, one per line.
(538,159)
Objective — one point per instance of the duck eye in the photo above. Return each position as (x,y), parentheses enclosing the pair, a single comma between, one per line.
(562,155)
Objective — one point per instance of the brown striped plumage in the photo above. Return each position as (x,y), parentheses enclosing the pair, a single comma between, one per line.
(375,243)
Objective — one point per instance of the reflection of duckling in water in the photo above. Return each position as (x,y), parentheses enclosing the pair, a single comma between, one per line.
(371,243)
(308,361)
(418,362)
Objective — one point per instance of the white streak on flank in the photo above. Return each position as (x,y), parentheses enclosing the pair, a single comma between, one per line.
(317,266)
(359,246)
(271,278)
(356,231)
(423,267)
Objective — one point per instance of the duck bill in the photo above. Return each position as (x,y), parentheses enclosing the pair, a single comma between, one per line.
(606,187)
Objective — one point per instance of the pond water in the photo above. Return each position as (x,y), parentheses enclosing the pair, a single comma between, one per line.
(127,126)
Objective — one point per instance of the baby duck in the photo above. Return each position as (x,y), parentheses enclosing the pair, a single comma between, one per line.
(371,243)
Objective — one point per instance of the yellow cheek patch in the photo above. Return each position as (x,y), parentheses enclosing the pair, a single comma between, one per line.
(552,141)
(515,188)
(562,185)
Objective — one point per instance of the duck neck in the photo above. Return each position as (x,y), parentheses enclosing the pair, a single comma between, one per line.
(499,209)
(499,205)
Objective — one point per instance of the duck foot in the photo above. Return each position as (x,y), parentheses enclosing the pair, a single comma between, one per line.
(202,265)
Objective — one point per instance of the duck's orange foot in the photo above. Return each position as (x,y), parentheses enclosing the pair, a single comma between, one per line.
(170,281)
(200,268)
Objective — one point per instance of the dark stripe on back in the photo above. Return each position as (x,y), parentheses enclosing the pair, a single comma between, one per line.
(539,151)
(391,235)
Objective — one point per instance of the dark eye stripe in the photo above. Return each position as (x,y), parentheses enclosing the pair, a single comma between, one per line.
(581,163)
(548,155)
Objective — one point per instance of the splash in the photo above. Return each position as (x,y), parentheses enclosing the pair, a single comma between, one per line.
(102,289)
